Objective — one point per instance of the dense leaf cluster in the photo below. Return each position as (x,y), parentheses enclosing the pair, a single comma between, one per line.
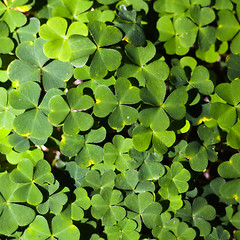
(119,119)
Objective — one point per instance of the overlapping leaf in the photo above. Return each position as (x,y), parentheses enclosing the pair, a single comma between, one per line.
(73,115)
(143,72)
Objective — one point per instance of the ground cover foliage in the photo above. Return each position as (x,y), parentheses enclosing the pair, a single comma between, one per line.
(119,119)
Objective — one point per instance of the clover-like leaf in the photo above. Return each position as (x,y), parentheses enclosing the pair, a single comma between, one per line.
(75,119)
(178,41)
(34,122)
(7,113)
(143,205)
(104,206)
(199,76)
(154,94)
(20,143)
(201,211)
(218,233)
(71,10)
(107,102)
(226,113)
(224,33)
(127,180)
(231,168)
(71,145)
(143,72)
(56,33)
(60,228)
(29,175)
(28,32)
(160,229)
(143,136)
(176,178)
(97,181)
(90,153)
(131,24)
(116,153)
(77,174)
(171,195)
(7,44)
(197,156)
(57,198)
(12,216)
(165,226)
(173,6)
(125,229)
(81,203)
(232,63)
(233,137)
(202,17)
(105,59)
(31,65)
(11,15)
(151,168)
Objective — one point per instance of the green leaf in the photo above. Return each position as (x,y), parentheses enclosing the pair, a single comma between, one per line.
(144,205)
(26,96)
(96,135)
(142,137)
(165,28)
(141,55)
(103,206)
(79,56)
(33,123)
(228,25)
(176,178)
(116,154)
(197,156)
(29,31)
(56,200)
(200,80)
(151,168)
(202,16)
(89,155)
(96,181)
(20,144)
(232,64)
(77,121)
(233,138)
(11,212)
(55,31)
(104,35)
(127,180)
(7,44)
(56,74)
(25,173)
(125,229)
(230,189)
(81,203)
(14,18)
(71,145)
(73,9)
(105,101)
(218,233)
(174,104)
(38,226)
(231,168)
(220,4)
(76,173)
(59,109)
(104,60)
(163,140)
(61,228)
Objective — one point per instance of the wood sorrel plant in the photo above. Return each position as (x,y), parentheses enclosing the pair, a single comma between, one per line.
(119,119)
